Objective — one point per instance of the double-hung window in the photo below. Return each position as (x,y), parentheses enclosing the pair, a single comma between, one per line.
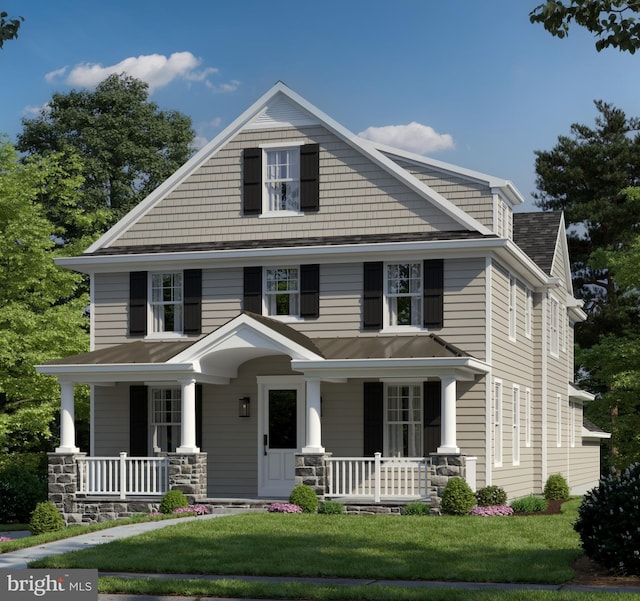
(404,420)
(165,419)
(283,291)
(166,302)
(282,179)
(497,423)
(554,330)
(515,415)
(404,294)
(513,306)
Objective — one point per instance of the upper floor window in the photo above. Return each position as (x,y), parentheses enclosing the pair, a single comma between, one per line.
(283,291)
(528,312)
(282,179)
(166,302)
(404,294)
(404,420)
(513,314)
(554,330)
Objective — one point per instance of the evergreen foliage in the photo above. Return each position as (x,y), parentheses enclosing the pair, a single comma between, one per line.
(556,488)
(173,499)
(491,495)
(20,492)
(46,517)
(457,497)
(304,497)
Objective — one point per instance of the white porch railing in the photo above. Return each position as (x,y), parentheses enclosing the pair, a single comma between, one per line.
(377,477)
(123,476)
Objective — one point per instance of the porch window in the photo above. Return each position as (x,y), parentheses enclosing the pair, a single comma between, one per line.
(282,179)
(404,294)
(165,419)
(404,420)
(283,291)
(166,302)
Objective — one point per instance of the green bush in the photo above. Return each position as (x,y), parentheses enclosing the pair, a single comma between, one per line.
(304,497)
(530,504)
(173,500)
(491,495)
(331,508)
(20,492)
(608,519)
(556,488)
(417,508)
(457,497)
(45,518)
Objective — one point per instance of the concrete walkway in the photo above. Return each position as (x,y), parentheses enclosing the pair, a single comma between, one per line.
(20,559)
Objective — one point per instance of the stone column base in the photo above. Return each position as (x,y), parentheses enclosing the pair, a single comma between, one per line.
(311,470)
(441,469)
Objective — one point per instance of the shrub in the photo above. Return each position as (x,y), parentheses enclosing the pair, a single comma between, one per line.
(556,488)
(20,492)
(530,504)
(331,508)
(417,508)
(173,500)
(457,497)
(491,510)
(304,497)
(608,519)
(46,518)
(491,495)
(283,508)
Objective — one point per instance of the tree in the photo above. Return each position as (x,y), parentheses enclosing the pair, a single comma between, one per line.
(8,28)
(587,175)
(41,314)
(128,147)
(614,22)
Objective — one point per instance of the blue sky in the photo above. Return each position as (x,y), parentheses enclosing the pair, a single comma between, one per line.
(465,81)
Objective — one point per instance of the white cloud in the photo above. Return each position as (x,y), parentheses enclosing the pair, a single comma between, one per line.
(414,137)
(155,69)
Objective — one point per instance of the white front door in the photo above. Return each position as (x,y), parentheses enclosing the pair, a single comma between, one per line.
(281,434)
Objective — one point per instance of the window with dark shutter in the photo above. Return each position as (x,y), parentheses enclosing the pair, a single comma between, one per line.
(433,293)
(252,181)
(138,424)
(372,296)
(193,301)
(138,303)
(310,177)
(373,412)
(309,290)
(432,410)
(252,299)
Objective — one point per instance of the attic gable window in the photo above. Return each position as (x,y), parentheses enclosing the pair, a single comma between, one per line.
(281,179)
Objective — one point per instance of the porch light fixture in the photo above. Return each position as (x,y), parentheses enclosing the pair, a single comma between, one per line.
(244,406)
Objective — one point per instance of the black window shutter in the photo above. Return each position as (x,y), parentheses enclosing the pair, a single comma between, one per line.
(309,290)
(192,301)
(199,416)
(373,418)
(252,300)
(138,421)
(372,296)
(310,177)
(138,303)
(431,418)
(433,293)
(252,181)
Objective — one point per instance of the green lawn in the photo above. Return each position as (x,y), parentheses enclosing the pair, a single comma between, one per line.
(532,549)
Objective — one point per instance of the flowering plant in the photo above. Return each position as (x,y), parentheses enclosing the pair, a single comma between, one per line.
(197,509)
(491,510)
(284,508)
(4,539)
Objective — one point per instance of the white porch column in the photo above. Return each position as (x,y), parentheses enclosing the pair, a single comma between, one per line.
(67,419)
(313,442)
(188,424)
(448,442)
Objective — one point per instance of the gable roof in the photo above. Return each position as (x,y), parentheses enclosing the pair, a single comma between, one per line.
(537,234)
(281,106)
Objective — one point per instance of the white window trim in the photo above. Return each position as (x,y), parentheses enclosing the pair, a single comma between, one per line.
(554,334)
(562,325)
(265,295)
(573,409)
(515,417)
(528,424)
(151,333)
(386,313)
(266,211)
(558,420)
(528,311)
(497,423)
(386,414)
(513,307)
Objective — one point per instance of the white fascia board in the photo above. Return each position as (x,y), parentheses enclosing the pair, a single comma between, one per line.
(125,372)
(579,395)
(501,186)
(236,126)
(588,434)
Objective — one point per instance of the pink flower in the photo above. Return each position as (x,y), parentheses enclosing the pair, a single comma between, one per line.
(284,508)
(492,510)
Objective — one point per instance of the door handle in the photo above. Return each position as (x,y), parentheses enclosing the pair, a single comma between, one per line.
(265,440)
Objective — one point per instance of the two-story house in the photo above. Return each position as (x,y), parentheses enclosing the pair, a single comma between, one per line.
(298,299)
